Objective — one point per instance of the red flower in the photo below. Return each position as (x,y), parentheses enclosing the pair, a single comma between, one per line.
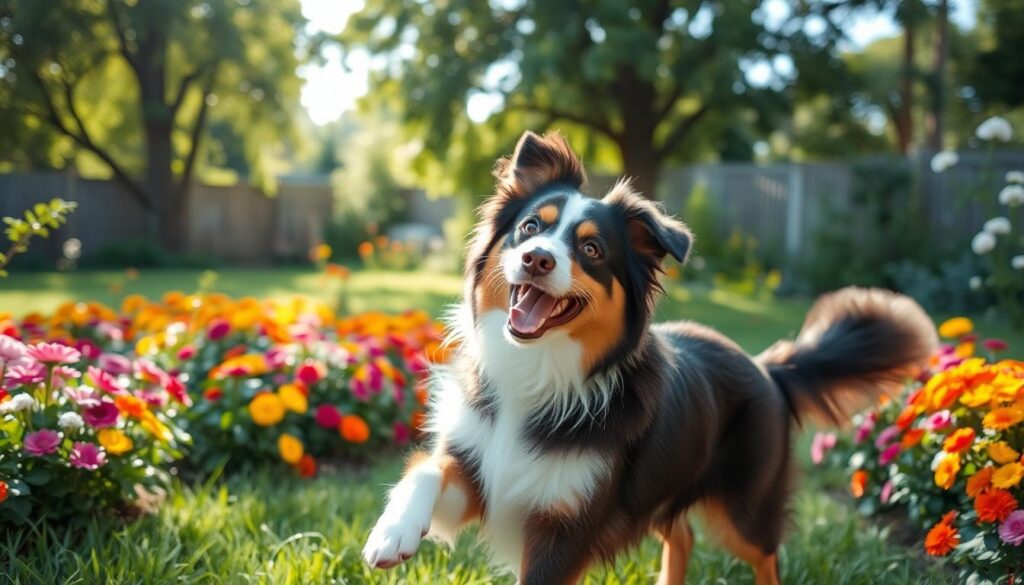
(213,393)
(327,416)
(994,505)
(311,372)
(306,466)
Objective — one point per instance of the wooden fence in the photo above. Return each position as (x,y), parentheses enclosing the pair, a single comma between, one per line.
(236,223)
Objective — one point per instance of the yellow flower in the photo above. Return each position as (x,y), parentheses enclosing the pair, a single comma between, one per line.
(956,327)
(977,396)
(114,441)
(290,448)
(945,473)
(1003,418)
(293,398)
(1000,452)
(1008,475)
(152,424)
(266,409)
(320,253)
(965,350)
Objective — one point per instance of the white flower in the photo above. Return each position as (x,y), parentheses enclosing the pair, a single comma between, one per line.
(995,128)
(1012,195)
(1015,177)
(997,226)
(975,283)
(70,421)
(1017,262)
(943,160)
(18,403)
(983,243)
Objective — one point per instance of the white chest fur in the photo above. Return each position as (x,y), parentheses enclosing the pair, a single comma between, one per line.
(515,479)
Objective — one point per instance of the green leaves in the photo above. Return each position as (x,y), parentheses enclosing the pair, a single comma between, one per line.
(38,221)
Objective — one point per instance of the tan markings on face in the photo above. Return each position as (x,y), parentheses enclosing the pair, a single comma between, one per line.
(548,213)
(586,229)
(491,290)
(599,327)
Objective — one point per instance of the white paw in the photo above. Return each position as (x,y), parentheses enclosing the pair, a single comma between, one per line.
(393,542)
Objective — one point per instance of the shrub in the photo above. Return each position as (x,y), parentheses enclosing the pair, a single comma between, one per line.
(948,451)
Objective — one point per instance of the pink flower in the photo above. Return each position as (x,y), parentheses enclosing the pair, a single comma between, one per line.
(400,433)
(61,375)
(327,416)
(42,442)
(87,456)
(53,353)
(887,436)
(103,415)
(186,353)
(114,364)
(359,389)
(995,345)
(150,372)
(106,382)
(12,352)
(938,421)
(376,380)
(865,428)
(890,453)
(88,348)
(218,329)
(83,396)
(26,374)
(1011,531)
(311,372)
(176,388)
(277,357)
(886,492)
(821,445)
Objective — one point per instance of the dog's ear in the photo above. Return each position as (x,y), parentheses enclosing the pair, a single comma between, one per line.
(538,161)
(652,233)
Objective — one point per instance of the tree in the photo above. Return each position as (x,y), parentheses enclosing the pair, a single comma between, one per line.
(170,62)
(642,75)
(998,73)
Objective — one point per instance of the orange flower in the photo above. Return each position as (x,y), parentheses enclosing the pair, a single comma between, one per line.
(354,429)
(980,481)
(858,483)
(365,250)
(907,416)
(1001,452)
(956,327)
(306,466)
(945,473)
(941,539)
(959,441)
(130,405)
(1008,475)
(1003,418)
(911,438)
(994,505)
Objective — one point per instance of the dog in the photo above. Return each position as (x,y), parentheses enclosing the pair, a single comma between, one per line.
(569,427)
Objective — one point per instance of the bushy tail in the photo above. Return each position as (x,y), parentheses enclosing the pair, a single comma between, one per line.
(855,344)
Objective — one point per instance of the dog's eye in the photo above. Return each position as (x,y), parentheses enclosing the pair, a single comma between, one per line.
(591,249)
(530,227)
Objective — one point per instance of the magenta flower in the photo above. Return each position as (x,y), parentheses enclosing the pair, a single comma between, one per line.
(311,372)
(88,348)
(103,415)
(218,329)
(400,433)
(114,364)
(87,456)
(106,381)
(887,436)
(864,430)
(277,357)
(53,353)
(26,374)
(176,388)
(376,380)
(359,389)
(327,416)
(938,421)
(821,445)
(889,454)
(1011,531)
(186,353)
(995,345)
(42,442)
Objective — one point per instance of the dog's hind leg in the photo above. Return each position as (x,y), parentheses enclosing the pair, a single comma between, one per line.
(677,542)
(751,539)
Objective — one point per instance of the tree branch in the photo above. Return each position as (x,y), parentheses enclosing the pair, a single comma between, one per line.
(122,37)
(681,130)
(599,125)
(187,82)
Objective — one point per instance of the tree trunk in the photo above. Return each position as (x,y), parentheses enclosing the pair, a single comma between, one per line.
(641,159)
(934,124)
(641,162)
(905,122)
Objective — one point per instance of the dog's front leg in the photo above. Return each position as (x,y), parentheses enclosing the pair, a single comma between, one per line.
(557,551)
(406,517)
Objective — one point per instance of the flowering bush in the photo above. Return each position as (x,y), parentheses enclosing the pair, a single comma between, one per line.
(950,452)
(76,434)
(265,380)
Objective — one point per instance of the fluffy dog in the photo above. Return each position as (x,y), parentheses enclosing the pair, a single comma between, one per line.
(569,427)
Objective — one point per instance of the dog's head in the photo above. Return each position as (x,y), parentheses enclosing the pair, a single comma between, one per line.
(556,261)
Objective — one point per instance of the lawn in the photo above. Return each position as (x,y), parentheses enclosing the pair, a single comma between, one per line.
(266,527)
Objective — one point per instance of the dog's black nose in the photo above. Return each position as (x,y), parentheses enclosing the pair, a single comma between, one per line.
(538,262)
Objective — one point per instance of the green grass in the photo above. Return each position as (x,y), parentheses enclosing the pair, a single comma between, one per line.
(269,528)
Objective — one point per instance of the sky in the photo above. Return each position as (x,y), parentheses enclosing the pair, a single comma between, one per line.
(329,90)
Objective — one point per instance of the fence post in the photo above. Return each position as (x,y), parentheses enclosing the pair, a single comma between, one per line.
(794,214)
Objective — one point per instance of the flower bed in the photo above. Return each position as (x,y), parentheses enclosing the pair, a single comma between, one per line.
(949,451)
(96,402)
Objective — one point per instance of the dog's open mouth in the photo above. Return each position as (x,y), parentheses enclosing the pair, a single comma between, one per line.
(534,311)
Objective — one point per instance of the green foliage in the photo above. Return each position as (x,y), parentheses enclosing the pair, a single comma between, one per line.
(37,222)
(702,219)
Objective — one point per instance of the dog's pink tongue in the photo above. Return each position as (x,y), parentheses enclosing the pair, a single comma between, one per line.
(528,315)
